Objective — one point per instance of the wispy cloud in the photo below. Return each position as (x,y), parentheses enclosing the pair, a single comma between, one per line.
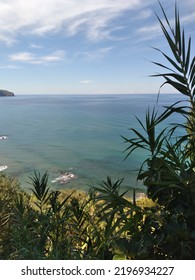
(94,55)
(28,57)
(42,17)
(35,46)
(188,18)
(9,66)
(86,82)
(143,14)
(152,31)
(148,32)
(97,19)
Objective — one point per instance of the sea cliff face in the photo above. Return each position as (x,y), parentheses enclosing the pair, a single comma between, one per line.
(6,93)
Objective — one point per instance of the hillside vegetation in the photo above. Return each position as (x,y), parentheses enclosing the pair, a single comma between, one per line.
(105,223)
(6,93)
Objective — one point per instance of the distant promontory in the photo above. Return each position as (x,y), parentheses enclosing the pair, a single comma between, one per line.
(6,93)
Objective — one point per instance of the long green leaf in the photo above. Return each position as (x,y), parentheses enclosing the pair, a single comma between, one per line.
(181,88)
(140,136)
(187,61)
(178,77)
(192,69)
(171,43)
(179,68)
(178,32)
(161,65)
(165,16)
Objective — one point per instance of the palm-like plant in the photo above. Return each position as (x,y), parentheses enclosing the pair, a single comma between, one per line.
(182,74)
(163,164)
(169,173)
(40,188)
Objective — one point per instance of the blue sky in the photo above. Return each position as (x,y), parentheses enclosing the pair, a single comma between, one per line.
(84,47)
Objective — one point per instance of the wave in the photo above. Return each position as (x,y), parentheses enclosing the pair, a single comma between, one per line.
(3,167)
(64,178)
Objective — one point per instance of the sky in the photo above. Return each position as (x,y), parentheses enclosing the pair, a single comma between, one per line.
(84,47)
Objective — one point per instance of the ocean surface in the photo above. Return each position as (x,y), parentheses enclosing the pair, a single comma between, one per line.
(76,134)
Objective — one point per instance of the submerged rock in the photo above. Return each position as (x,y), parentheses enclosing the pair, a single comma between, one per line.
(64,178)
(3,137)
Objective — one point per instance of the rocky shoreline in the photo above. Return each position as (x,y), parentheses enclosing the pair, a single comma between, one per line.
(64,178)
(6,93)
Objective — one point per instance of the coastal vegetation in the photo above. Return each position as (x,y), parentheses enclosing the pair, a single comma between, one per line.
(106,223)
(6,93)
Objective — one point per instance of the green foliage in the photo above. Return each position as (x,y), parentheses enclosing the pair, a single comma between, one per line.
(169,171)
(106,223)
(9,189)
(40,189)
(65,224)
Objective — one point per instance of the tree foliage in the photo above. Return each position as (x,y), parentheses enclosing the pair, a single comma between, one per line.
(106,223)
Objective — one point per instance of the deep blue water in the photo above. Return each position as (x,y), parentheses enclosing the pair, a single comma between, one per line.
(72,133)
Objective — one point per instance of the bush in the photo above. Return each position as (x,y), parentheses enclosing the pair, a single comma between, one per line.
(9,189)
(169,171)
(106,223)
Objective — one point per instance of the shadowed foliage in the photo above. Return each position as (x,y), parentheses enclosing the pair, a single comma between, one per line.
(106,223)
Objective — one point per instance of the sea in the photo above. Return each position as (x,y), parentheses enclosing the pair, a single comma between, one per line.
(76,136)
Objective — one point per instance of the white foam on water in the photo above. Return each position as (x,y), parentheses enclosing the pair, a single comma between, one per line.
(64,178)
(3,137)
(3,167)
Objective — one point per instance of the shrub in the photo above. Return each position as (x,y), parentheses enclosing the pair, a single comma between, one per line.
(9,189)
(169,171)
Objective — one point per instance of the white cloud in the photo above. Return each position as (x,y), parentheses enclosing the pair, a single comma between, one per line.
(86,82)
(22,57)
(152,31)
(188,18)
(94,18)
(54,57)
(149,32)
(144,14)
(9,66)
(35,46)
(70,16)
(94,55)
(28,57)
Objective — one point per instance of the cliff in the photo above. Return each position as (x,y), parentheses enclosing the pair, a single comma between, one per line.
(6,93)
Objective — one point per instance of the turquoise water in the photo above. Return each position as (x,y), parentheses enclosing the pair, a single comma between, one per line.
(72,133)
